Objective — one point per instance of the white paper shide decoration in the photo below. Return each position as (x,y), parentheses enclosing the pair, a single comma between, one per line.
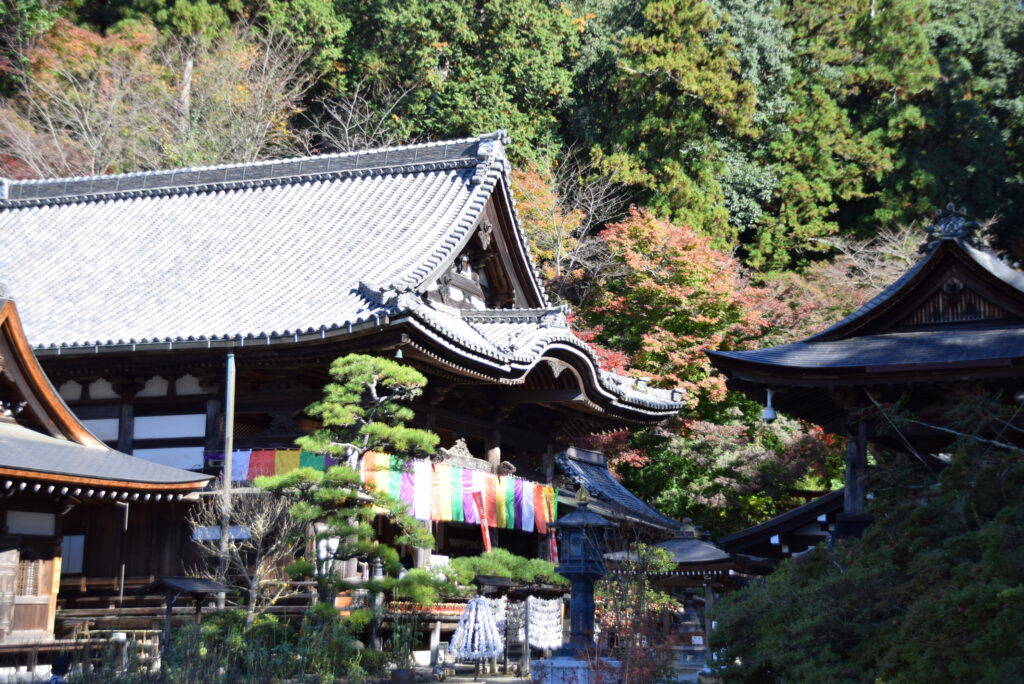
(476,636)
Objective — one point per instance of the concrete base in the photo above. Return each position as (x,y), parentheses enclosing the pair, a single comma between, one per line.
(562,670)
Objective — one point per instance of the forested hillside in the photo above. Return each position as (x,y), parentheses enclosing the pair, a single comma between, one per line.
(693,173)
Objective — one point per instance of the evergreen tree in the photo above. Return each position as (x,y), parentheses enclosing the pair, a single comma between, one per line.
(466,68)
(361,410)
(858,74)
(677,93)
(967,149)
(933,590)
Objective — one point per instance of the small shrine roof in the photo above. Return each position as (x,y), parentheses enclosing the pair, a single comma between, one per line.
(693,551)
(959,306)
(589,470)
(920,350)
(41,441)
(808,521)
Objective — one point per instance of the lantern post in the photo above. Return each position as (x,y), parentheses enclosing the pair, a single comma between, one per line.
(582,541)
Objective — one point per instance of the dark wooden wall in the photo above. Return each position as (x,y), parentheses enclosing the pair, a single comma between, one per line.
(157,542)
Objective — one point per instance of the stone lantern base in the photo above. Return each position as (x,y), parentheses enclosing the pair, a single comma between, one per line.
(566,670)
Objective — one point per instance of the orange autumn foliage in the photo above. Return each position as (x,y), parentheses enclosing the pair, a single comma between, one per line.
(672,297)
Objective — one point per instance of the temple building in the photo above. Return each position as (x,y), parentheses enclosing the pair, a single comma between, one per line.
(416,252)
(951,327)
(75,513)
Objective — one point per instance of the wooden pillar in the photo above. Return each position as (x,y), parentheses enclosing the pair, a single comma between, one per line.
(493,446)
(855,517)
(435,643)
(549,465)
(126,428)
(856,464)
(214,433)
(709,603)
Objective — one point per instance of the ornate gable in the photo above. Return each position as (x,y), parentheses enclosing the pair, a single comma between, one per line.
(955,301)
(491,270)
(476,279)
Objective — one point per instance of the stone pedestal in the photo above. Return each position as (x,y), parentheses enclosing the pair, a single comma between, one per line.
(564,670)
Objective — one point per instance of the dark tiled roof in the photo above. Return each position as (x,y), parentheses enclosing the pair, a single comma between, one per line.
(919,348)
(986,260)
(590,471)
(27,450)
(826,504)
(184,585)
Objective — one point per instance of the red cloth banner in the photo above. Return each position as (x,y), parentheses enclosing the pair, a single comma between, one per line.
(478,499)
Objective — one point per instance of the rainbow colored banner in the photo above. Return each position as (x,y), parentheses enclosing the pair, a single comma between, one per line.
(433,491)
(247,465)
(438,491)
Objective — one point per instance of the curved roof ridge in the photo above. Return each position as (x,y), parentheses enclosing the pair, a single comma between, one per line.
(484,151)
(982,257)
(495,135)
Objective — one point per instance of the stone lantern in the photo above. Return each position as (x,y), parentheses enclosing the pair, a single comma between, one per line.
(582,537)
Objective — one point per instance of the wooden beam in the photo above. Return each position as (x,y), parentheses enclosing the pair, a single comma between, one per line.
(126,428)
(552,396)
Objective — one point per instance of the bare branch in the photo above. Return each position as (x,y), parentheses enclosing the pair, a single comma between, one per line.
(260,540)
(360,120)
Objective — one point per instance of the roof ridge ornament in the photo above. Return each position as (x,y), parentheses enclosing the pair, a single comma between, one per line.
(950,224)
(379,295)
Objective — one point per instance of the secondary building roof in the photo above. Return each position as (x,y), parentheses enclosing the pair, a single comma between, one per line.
(42,444)
(958,313)
(28,454)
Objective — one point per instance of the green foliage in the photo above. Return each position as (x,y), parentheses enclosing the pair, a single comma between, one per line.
(223,649)
(676,92)
(501,563)
(729,470)
(931,592)
(317,28)
(363,410)
(631,612)
(340,512)
(21,22)
(467,67)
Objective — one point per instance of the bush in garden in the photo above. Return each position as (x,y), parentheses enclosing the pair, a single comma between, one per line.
(501,563)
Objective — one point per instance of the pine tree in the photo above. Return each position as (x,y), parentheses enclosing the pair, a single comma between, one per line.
(361,410)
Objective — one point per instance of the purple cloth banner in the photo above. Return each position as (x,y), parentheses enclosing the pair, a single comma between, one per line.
(519,503)
(468,506)
(407,491)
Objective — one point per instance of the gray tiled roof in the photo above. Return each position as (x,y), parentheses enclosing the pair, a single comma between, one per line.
(173,254)
(693,551)
(272,250)
(892,349)
(24,449)
(592,474)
